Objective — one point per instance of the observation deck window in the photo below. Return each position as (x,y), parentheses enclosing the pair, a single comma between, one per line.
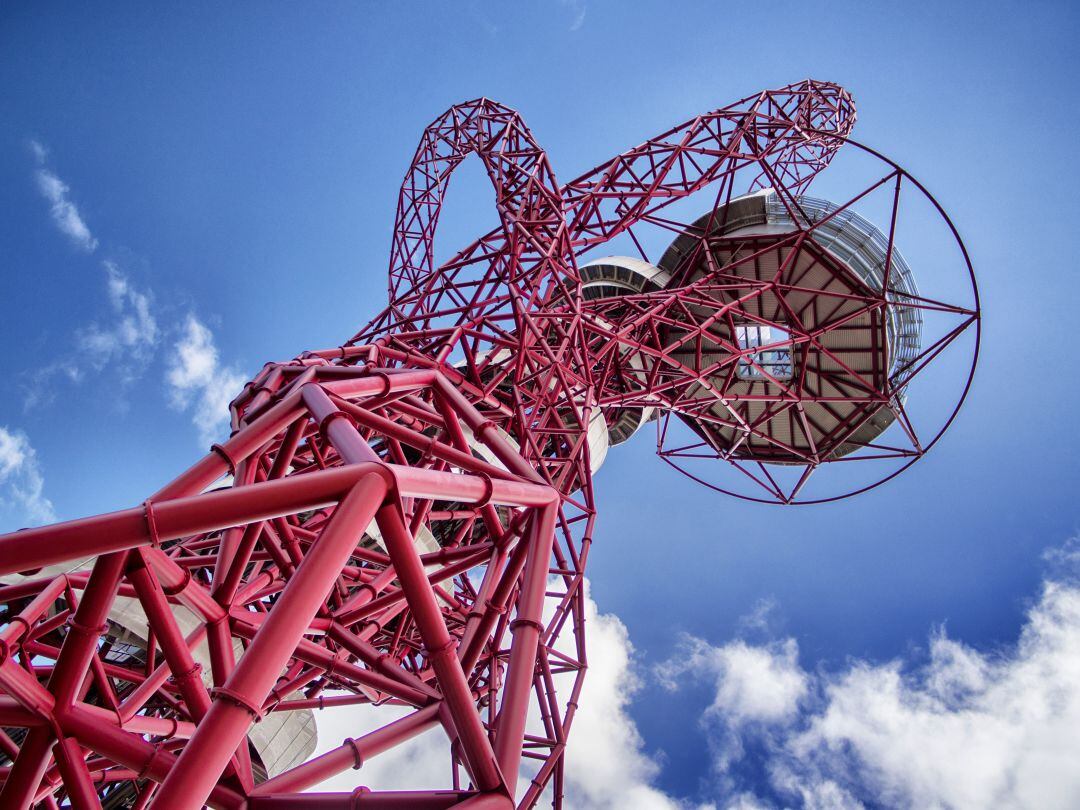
(774,361)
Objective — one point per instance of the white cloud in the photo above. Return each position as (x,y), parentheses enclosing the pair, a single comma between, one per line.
(126,341)
(606,765)
(38,385)
(422,763)
(21,483)
(1064,560)
(197,381)
(966,728)
(132,333)
(753,684)
(39,151)
(761,618)
(65,213)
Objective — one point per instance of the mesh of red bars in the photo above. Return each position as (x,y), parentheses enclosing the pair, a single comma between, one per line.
(405,520)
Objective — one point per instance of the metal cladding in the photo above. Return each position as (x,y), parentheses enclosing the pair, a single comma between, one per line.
(398,527)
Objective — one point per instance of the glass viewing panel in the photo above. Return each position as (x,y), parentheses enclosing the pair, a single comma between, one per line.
(773,362)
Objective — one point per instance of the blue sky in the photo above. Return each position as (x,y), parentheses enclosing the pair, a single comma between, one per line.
(235,170)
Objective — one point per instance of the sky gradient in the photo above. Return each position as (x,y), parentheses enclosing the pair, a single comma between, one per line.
(188,193)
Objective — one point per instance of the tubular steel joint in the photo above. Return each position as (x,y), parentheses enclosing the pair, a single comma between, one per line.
(330,417)
(179,587)
(229,460)
(240,699)
(358,756)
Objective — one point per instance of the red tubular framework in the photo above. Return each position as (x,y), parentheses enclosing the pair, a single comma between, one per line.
(405,520)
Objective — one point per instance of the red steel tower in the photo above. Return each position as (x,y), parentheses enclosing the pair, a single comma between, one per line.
(404,521)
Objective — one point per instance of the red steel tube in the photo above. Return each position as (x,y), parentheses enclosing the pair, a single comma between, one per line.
(214,465)
(440,645)
(204,758)
(311,653)
(526,629)
(77,781)
(134,752)
(185,671)
(24,688)
(481,428)
(12,713)
(345,438)
(20,625)
(72,664)
(350,754)
(173,519)
(363,798)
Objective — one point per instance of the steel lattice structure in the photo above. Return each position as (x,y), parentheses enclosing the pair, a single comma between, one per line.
(404,521)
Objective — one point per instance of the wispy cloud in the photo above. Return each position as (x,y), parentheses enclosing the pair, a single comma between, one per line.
(198,382)
(130,335)
(577,9)
(38,385)
(38,150)
(65,214)
(22,486)
(125,342)
(966,728)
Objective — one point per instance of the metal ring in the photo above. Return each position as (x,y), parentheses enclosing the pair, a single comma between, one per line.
(221,451)
(151,524)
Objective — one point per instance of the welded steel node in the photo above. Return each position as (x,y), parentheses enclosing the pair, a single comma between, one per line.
(398,527)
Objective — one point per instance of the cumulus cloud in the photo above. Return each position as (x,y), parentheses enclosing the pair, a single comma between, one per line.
(65,214)
(22,486)
(753,684)
(198,382)
(965,728)
(606,766)
(422,763)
